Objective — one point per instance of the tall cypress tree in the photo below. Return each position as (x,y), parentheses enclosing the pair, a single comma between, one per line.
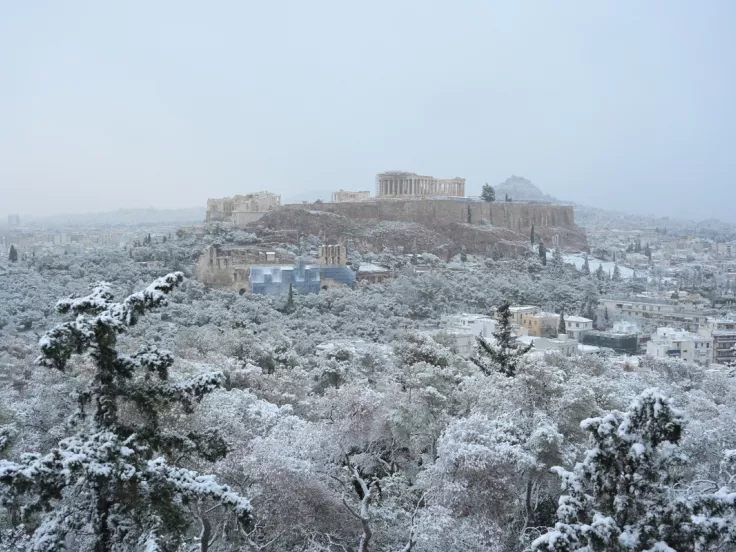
(112,481)
(531,237)
(616,273)
(562,327)
(586,267)
(13,254)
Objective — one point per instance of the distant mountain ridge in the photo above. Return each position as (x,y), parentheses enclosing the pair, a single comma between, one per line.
(148,215)
(522,189)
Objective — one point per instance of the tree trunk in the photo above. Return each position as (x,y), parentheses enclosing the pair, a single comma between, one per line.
(101,529)
(204,544)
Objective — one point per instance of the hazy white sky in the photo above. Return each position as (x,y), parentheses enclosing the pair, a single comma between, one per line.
(621,104)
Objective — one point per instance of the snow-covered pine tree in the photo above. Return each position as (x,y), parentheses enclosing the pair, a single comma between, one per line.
(557,265)
(505,353)
(628,494)
(110,485)
(543,253)
(13,254)
(488,193)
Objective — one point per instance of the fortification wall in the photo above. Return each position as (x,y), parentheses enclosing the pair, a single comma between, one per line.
(515,216)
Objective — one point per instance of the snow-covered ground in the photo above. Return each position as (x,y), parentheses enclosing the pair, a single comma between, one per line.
(593,263)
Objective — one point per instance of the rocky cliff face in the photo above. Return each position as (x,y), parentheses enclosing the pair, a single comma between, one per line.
(438,226)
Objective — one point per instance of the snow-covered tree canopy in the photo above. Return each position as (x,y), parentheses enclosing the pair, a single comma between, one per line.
(111,479)
(226,422)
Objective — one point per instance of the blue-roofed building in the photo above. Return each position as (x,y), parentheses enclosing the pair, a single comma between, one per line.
(341,274)
(275,280)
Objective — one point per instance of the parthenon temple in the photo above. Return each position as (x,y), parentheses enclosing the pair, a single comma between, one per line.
(403,184)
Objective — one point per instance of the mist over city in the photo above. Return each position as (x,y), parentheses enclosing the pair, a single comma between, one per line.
(392,277)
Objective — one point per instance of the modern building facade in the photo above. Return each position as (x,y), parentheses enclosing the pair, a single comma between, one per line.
(406,184)
(723,333)
(656,312)
(672,343)
(623,343)
(276,280)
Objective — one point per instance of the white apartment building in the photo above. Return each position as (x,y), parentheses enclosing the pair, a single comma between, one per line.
(657,312)
(464,328)
(576,326)
(672,343)
(475,324)
(561,344)
(723,333)
(726,249)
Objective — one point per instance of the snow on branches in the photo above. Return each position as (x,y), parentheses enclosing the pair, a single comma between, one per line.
(628,492)
(112,480)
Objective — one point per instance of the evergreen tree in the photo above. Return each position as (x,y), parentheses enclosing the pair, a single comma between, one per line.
(504,355)
(606,317)
(543,253)
(488,193)
(470,215)
(111,483)
(13,254)
(531,237)
(463,254)
(628,494)
(616,273)
(600,274)
(589,312)
(648,252)
(562,327)
(290,298)
(557,265)
(586,267)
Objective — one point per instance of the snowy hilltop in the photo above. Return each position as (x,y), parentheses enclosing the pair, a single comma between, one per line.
(520,188)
